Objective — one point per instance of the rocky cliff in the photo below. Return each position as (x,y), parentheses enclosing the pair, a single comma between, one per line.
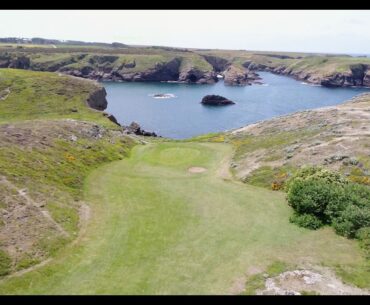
(241,76)
(199,66)
(358,75)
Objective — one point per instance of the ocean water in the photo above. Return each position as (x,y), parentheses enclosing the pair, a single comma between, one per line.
(180,115)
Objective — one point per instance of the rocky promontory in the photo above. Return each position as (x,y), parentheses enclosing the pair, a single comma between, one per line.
(234,75)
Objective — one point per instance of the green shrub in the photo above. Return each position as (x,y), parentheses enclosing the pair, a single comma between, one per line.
(314,173)
(352,212)
(319,197)
(352,219)
(312,196)
(5,263)
(306,221)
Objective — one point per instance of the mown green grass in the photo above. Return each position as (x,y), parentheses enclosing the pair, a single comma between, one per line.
(158,229)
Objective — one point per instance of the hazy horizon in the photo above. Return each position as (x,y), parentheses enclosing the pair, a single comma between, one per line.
(313,31)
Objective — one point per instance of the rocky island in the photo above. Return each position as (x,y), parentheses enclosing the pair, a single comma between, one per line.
(216,100)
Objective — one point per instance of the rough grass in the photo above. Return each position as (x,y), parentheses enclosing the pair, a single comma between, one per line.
(35,95)
(38,156)
(257,281)
(55,176)
(5,263)
(158,229)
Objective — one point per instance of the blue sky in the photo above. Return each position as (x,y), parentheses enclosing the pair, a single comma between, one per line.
(342,31)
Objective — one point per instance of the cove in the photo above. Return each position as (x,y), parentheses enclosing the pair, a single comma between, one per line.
(182,116)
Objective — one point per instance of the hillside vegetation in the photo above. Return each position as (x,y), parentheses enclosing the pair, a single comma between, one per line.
(46,152)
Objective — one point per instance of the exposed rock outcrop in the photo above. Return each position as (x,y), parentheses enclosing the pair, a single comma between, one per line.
(97,99)
(239,76)
(194,75)
(135,128)
(16,62)
(358,75)
(162,71)
(216,100)
(111,117)
(219,64)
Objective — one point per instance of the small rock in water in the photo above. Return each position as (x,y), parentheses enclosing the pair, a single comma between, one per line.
(216,100)
(163,95)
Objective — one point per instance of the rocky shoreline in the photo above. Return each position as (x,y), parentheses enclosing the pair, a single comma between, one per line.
(97,100)
(183,70)
(358,77)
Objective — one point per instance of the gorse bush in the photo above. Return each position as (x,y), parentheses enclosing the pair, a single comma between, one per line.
(314,173)
(320,196)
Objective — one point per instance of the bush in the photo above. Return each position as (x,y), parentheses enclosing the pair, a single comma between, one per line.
(5,263)
(319,196)
(312,196)
(352,219)
(306,221)
(314,173)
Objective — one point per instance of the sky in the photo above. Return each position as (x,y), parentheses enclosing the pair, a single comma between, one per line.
(330,31)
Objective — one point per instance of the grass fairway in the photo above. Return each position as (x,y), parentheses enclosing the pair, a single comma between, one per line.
(156,228)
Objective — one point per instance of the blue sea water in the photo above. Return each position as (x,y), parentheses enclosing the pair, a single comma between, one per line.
(182,115)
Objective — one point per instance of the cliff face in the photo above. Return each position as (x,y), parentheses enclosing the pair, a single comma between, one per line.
(16,62)
(239,76)
(194,75)
(161,71)
(219,64)
(148,64)
(358,75)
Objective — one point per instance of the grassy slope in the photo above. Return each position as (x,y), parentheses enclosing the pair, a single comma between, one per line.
(35,95)
(157,229)
(38,156)
(272,148)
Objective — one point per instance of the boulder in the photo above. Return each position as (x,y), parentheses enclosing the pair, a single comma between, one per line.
(111,117)
(97,99)
(216,100)
(135,128)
